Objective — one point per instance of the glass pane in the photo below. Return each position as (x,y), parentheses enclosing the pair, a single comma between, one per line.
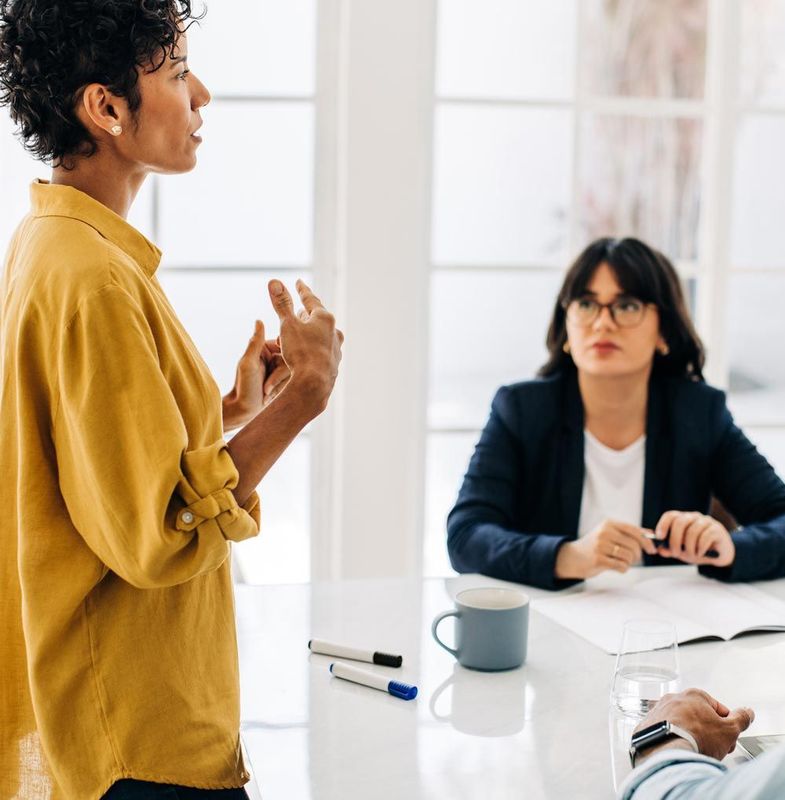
(17,171)
(505,48)
(501,185)
(758,238)
(281,553)
(252,47)
(218,310)
(249,200)
(645,49)
(762,53)
(641,177)
(447,458)
(487,329)
(755,328)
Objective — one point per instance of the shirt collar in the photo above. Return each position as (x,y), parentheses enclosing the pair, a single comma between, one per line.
(50,200)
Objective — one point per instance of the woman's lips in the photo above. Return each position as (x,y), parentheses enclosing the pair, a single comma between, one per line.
(605,347)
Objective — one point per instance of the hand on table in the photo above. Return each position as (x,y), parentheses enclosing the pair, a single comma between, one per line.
(691,535)
(714,726)
(611,545)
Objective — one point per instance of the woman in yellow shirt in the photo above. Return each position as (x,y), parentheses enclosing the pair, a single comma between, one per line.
(119,494)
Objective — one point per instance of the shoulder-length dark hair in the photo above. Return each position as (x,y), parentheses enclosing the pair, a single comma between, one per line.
(642,272)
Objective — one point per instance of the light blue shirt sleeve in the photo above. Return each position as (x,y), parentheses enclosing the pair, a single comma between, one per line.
(680,775)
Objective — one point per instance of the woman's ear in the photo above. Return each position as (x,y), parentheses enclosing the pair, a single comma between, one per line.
(662,347)
(101,111)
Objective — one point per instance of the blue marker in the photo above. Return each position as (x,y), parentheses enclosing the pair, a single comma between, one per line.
(376,681)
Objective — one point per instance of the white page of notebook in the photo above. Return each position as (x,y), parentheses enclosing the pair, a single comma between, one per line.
(697,607)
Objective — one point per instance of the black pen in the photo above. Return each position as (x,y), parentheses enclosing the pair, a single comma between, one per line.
(652,536)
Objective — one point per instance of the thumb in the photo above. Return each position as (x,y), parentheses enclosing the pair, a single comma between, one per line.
(256,342)
(281,299)
(741,718)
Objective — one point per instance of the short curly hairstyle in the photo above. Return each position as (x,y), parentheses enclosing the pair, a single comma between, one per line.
(50,50)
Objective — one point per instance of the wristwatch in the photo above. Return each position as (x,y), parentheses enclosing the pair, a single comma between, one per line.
(656,734)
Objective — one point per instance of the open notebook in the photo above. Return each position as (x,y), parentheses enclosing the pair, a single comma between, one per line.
(698,607)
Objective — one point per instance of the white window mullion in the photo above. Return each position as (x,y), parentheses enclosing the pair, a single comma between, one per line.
(372,254)
(329,239)
(575,236)
(722,66)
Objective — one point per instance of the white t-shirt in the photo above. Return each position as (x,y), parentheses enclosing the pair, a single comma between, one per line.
(612,483)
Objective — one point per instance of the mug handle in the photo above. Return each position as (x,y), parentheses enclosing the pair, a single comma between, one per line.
(435,697)
(435,625)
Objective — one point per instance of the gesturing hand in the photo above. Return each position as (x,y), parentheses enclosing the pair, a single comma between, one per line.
(714,726)
(310,344)
(611,545)
(691,535)
(261,374)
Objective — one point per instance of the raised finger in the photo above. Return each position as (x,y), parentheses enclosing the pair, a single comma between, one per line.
(281,299)
(308,298)
(256,342)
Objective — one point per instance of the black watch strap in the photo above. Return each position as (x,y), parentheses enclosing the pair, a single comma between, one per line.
(657,734)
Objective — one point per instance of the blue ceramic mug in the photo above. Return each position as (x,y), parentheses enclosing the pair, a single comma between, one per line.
(491,628)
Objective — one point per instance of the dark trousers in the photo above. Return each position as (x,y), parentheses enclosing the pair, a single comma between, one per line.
(142,790)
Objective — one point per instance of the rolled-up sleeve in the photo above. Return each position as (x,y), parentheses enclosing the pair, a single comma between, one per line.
(155,508)
(679,775)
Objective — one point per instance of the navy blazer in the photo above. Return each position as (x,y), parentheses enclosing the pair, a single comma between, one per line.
(521,496)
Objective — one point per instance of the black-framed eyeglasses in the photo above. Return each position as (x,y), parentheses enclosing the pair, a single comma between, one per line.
(626,312)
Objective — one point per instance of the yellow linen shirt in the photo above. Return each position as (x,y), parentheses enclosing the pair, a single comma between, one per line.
(118,649)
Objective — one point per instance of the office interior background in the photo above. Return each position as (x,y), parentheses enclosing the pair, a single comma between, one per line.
(432,167)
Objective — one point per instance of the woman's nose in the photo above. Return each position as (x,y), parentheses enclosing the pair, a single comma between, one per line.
(201,95)
(604,319)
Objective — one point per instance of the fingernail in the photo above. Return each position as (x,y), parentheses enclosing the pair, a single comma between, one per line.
(276,287)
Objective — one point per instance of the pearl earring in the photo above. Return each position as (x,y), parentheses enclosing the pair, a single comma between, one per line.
(116,130)
(664,349)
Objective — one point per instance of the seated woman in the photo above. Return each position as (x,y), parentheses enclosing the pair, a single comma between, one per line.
(613,455)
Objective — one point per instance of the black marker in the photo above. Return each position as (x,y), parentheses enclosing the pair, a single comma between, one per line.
(341,651)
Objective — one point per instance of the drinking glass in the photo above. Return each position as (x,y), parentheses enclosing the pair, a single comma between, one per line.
(647,666)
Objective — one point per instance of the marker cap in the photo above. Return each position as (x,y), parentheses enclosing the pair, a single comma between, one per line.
(387,660)
(403,690)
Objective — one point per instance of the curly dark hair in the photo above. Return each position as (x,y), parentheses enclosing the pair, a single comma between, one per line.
(642,272)
(50,50)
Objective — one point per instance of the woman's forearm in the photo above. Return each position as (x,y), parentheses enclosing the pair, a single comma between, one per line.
(262,441)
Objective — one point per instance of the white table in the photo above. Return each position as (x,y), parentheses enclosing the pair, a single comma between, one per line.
(541,731)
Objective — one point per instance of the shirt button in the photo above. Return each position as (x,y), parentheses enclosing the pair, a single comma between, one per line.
(187,517)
